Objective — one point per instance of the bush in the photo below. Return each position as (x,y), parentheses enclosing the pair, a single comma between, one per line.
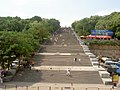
(103,42)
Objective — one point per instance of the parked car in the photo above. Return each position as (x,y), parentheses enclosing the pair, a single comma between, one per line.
(15,64)
(112,68)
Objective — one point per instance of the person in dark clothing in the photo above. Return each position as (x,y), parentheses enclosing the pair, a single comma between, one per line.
(75,59)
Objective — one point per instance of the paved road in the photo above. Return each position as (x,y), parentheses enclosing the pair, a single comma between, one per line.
(62,42)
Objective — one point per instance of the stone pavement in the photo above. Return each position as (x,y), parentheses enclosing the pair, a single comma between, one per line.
(55,86)
(72,68)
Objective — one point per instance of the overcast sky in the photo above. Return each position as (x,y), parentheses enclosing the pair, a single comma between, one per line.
(66,11)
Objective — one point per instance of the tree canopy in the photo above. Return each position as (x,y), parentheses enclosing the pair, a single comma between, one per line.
(22,37)
(108,22)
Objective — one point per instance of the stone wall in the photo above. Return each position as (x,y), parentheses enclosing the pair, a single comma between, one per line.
(106,50)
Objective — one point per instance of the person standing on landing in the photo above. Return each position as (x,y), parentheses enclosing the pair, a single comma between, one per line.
(75,59)
(79,60)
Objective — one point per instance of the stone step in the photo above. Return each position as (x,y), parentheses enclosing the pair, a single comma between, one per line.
(94,59)
(53,53)
(92,56)
(84,46)
(95,63)
(107,81)
(86,51)
(73,68)
(89,53)
(104,74)
(100,68)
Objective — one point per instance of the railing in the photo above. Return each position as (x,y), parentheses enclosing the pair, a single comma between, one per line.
(14,87)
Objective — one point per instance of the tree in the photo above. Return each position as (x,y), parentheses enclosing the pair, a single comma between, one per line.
(16,43)
(84,26)
(36,18)
(110,22)
(118,34)
(22,37)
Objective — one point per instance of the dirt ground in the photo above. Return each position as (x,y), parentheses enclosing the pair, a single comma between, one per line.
(106,50)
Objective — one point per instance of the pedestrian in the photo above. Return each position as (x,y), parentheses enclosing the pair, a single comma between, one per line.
(79,60)
(2,73)
(75,59)
(68,72)
(99,60)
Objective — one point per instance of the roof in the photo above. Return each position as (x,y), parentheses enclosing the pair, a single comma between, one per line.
(96,36)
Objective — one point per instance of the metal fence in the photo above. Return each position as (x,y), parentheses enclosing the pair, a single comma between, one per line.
(13,87)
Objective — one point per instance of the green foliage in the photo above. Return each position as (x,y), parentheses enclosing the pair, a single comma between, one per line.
(84,26)
(15,43)
(22,37)
(12,24)
(108,22)
(36,18)
(103,42)
(118,34)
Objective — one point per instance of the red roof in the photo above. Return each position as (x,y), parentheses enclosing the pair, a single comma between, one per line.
(92,36)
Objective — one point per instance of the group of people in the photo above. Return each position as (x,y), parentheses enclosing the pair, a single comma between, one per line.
(75,59)
(27,64)
(3,74)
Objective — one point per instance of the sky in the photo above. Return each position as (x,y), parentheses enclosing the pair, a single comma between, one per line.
(66,11)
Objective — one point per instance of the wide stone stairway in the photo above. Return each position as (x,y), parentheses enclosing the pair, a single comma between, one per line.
(57,56)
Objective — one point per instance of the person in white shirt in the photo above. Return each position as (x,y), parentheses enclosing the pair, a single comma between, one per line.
(79,60)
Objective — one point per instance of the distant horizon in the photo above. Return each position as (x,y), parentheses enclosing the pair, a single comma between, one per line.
(66,11)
